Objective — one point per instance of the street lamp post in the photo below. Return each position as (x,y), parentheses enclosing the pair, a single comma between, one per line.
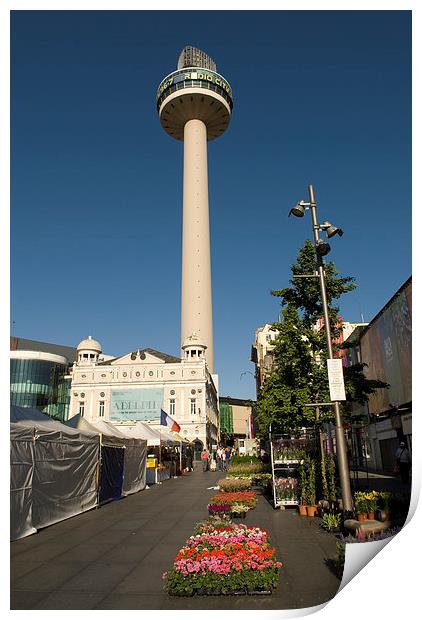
(322,248)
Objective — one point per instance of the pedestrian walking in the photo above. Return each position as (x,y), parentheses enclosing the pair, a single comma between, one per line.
(404,462)
(205,457)
(189,458)
(228,456)
(213,462)
(219,460)
(223,460)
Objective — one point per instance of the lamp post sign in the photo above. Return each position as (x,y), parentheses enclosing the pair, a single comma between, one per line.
(336,379)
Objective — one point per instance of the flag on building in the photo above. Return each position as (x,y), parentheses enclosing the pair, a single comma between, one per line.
(171,424)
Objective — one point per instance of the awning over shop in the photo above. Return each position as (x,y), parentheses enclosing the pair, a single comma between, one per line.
(180,438)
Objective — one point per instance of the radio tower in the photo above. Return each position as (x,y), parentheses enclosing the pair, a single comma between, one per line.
(194,104)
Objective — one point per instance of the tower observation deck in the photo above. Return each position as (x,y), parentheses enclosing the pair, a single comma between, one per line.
(194,104)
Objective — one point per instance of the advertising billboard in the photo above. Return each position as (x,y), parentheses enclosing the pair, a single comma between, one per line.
(387,349)
(139,405)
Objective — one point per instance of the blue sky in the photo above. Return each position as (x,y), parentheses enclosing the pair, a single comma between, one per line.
(321,97)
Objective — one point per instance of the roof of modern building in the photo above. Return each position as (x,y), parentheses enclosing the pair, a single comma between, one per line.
(24,344)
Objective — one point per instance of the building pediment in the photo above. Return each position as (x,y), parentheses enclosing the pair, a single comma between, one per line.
(143,356)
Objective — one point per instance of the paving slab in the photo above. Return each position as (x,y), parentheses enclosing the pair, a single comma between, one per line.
(113,557)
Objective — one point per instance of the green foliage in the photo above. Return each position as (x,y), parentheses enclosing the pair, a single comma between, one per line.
(211,583)
(323,477)
(340,558)
(247,468)
(331,521)
(331,477)
(311,484)
(307,483)
(231,485)
(302,485)
(244,458)
(299,375)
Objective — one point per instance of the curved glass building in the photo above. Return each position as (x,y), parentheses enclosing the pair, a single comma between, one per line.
(37,379)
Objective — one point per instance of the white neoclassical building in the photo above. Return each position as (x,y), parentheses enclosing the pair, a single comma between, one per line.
(136,386)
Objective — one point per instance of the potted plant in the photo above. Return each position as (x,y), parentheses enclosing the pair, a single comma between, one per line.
(372,504)
(238,511)
(360,505)
(331,478)
(331,522)
(311,507)
(302,491)
(384,506)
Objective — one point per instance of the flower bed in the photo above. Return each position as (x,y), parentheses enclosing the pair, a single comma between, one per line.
(219,509)
(237,559)
(245,497)
(260,479)
(212,524)
(230,485)
(246,468)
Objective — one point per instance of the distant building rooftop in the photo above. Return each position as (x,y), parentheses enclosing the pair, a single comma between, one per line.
(23,344)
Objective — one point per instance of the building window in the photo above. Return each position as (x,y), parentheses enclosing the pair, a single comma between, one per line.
(101,408)
(193,406)
(172,406)
(81,409)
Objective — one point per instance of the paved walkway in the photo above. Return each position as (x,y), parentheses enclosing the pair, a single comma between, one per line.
(378,481)
(114,557)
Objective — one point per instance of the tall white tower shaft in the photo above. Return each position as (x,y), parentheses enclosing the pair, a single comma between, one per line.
(194,104)
(196,257)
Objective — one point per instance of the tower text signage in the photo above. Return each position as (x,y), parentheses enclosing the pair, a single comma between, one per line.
(139,405)
(197,74)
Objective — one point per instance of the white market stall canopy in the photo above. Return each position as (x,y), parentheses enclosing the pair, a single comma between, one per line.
(153,434)
(108,437)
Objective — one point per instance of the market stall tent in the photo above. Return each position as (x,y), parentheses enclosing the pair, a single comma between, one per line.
(123,459)
(135,458)
(111,464)
(53,471)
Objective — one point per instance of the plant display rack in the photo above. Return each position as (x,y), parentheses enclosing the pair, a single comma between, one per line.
(287,454)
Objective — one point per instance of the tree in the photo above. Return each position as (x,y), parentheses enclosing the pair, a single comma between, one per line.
(299,374)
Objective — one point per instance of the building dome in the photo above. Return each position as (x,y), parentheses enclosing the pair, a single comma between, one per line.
(193,341)
(89,344)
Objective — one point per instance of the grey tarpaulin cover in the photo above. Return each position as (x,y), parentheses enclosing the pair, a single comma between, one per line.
(53,471)
(135,451)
